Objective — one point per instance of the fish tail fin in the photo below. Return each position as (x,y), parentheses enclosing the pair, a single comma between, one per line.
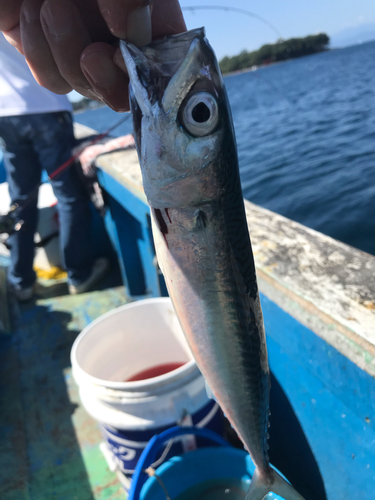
(258,489)
(284,489)
(275,483)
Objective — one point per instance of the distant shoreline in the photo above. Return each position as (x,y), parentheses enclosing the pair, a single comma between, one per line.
(255,68)
(282,50)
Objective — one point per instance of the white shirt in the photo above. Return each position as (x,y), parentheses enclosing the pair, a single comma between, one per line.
(20,94)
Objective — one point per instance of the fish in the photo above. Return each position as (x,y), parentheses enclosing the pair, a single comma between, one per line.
(187,151)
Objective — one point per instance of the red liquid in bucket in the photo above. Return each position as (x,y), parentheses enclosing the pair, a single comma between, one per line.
(154,371)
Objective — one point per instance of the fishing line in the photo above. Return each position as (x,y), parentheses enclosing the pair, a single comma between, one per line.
(164,455)
(151,470)
(7,220)
(72,159)
(234,9)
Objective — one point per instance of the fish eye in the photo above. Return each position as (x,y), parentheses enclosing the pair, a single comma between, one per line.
(200,114)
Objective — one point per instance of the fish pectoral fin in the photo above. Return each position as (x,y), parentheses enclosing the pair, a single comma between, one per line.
(275,484)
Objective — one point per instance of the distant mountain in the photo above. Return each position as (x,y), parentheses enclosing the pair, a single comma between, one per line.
(352,36)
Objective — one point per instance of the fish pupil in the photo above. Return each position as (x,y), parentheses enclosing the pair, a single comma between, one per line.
(201,113)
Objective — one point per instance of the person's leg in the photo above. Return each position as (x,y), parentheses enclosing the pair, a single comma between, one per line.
(53,143)
(23,176)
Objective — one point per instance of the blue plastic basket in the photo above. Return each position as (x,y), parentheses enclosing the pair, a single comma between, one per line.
(148,456)
(185,471)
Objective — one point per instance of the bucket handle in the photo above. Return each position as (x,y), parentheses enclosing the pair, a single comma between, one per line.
(153,446)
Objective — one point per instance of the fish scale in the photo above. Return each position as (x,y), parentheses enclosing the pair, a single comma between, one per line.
(188,156)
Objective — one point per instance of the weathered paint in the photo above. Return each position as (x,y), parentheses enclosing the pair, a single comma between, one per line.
(334,401)
(49,445)
(124,167)
(326,285)
(129,225)
(82,131)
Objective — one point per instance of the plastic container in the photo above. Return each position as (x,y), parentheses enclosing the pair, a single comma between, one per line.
(212,468)
(127,341)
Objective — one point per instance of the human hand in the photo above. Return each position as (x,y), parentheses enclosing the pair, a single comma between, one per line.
(72,44)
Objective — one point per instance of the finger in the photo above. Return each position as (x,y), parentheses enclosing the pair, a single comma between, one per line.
(94,22)
(13,36)
(67,38)
(37,51)
(128,19)
(167,18)
(118,59)
(9,14)
(105,77)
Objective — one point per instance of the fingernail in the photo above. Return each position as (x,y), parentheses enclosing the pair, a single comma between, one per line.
(100,70)
(58,17)
(139,26)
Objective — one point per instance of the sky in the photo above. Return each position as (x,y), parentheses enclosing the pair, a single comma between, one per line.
(230,32)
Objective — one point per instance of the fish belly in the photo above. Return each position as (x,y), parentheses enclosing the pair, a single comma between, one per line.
(220,317)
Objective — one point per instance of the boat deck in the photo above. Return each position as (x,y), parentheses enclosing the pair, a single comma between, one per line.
(49,445)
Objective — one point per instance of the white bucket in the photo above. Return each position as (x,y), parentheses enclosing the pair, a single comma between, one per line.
(123,343)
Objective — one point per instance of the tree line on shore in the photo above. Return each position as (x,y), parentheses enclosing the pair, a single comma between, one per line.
(85,103)
(279,51)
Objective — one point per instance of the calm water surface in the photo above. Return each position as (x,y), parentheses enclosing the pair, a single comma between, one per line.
(306,140)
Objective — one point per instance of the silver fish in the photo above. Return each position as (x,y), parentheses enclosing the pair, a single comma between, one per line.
(187,151)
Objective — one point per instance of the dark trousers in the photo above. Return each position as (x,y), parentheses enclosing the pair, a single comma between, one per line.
(30,144)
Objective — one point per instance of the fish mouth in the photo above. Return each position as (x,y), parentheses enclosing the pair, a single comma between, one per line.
(151,67)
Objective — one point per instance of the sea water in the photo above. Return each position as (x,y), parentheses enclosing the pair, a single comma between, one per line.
(305,131)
